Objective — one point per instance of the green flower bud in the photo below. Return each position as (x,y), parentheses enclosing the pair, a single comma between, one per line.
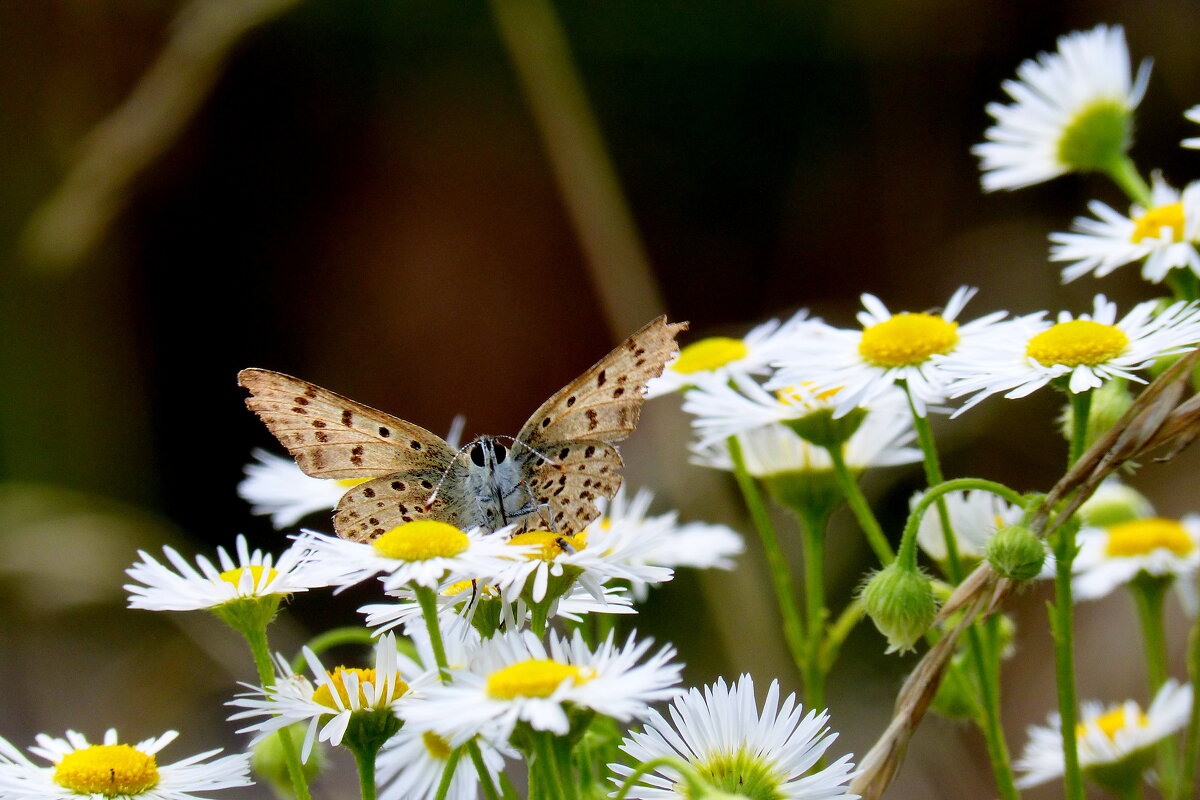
(1016,552)
(900,601)
(268,762)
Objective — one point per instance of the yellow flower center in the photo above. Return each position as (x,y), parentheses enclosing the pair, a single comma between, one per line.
(709,354)
(537,677)
(422,540)
(234,576)
(337,682)
(436,746)
(1150,224)
(797,396)
(1078,342)
(111,770)
(549,544)
(1110,723)
(1141,537)
(465,587)
(906,340)
(350,482)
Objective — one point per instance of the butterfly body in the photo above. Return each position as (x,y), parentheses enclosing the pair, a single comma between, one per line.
(548,476)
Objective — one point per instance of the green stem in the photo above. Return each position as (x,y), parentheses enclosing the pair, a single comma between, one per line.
(1149,592)
(545,780)
(781,576)
(1081,406)
(813,538)
(987,670)
(448,773)
(851,615)
(860,508)
(335,638)
(428,602)
(1191,746)
(366,773)
(261,652)
(1062,627)
(1125,174)
(695,786)
(485,777)
(1184,284)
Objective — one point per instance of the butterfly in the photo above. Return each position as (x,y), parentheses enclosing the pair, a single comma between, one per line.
(548,476)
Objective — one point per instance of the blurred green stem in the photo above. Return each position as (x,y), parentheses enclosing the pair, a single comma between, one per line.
(1125,174)
(261,652)
(859,506)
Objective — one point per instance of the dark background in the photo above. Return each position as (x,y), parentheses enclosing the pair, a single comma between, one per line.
(364,200)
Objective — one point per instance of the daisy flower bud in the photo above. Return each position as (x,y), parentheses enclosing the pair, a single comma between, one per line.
(899,600)
(1016,552)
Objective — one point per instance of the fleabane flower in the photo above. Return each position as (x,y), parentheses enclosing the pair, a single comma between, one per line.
(1165,235)
(329,702)
(720,732)
(1112,739)
(411,766)
(699,545)
(553,563)
(515,677)
(858,367)
(115,770)
(424,552)
(722,357)
(276,486)
(249,575)
(1115,554)
(1081,353)
(1072,111)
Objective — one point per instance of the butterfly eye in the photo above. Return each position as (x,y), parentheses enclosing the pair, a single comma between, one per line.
(500,453)
(477,455)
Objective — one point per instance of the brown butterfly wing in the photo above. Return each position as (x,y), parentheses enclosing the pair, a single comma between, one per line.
(604,403)
(331,436)
(370,509)
(568,487)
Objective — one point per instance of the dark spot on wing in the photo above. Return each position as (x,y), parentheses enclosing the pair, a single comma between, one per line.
(570,401)
(368,492)
(414,444)
(398,486)
(601,378)
(322,436)
(427,484)
(347,417)
(566,451)
(590,451)
(618,392)
(592,416)
(384,432)
(318,423)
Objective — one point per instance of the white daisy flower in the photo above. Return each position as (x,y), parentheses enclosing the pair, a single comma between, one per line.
(1106,735)
(590,559)
(1165,235)
(411,764)
(881,440)
(329,704)
(722,357)
(1193,115)
(1072,111)
(275,485)
(1085,351)
(699,545)
(515,677)
(1114,555)
(1112,502)
(114,771)
(859,367)
(975,516)
(424,552)
(252,574)
(722,735)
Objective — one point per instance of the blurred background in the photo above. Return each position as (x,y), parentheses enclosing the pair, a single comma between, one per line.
(401,202)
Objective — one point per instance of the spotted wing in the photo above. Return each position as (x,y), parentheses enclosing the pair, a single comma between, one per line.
(565,488)
(604,403)
(331,436)
(370,509)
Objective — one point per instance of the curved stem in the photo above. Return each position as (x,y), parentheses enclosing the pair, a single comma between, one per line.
(695,786)
(781,576)
(860,508)
(261,652)
(335,638)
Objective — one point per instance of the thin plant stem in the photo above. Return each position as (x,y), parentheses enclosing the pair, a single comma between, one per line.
(366,773)
(485,778)
(1191,740)
(1149,591)
(836,633)
(428,602)
(1062,615)
(987,670)
(860,508)
(335,638)
(1125,174)
(812,530)
(448,773)
(261,653)
(695,786)
(781,576)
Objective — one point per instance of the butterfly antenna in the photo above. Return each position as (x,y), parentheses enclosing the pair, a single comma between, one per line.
(446,472)
(531,449)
